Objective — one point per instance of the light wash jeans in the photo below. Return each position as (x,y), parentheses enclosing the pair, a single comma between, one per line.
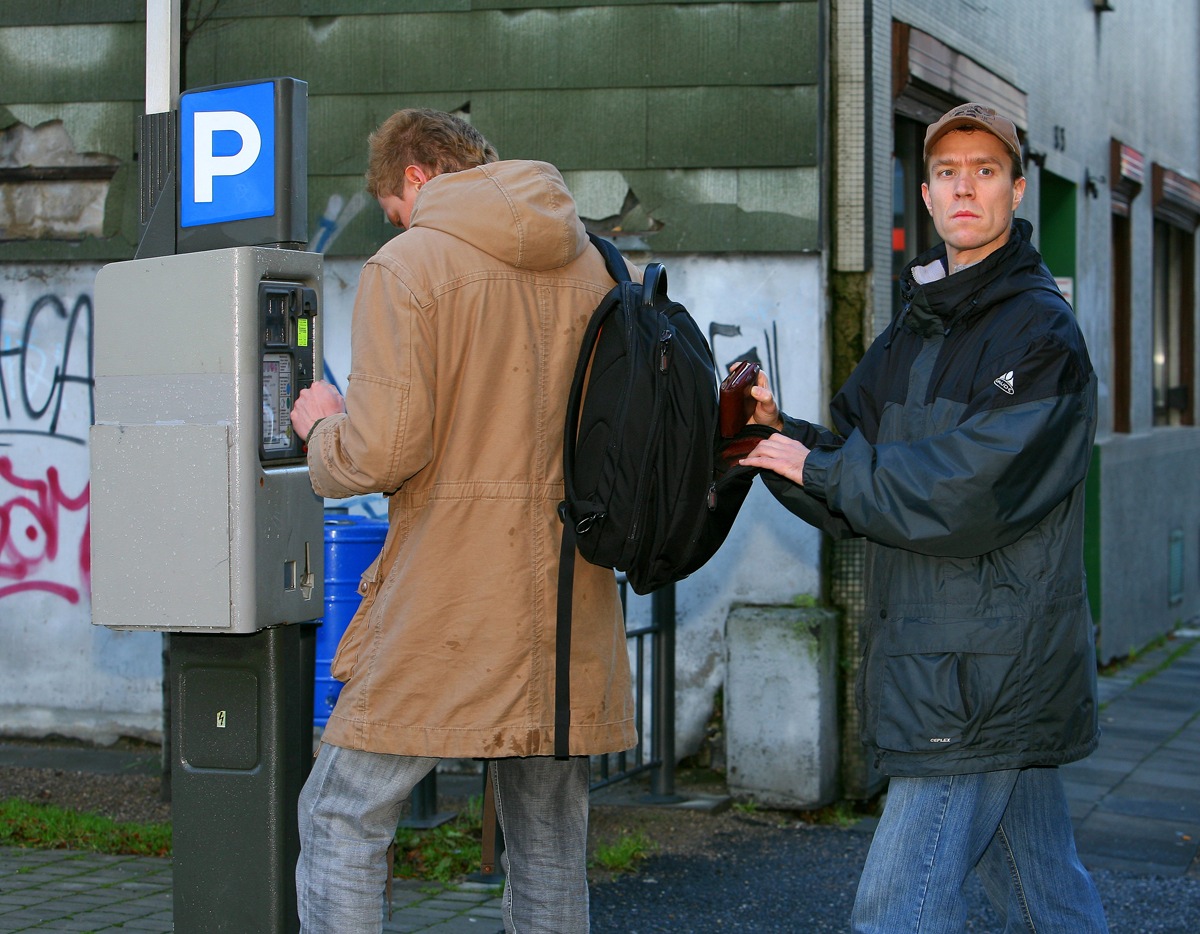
(348,813)
(1013,827)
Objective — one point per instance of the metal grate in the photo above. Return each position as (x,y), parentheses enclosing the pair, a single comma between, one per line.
(156,159)
(1175,568)
(847,572)
(653,664)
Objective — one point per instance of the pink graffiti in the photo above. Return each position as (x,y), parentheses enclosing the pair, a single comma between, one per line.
(30,531)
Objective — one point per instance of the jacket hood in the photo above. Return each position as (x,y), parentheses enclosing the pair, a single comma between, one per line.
(944,303)
(518,211)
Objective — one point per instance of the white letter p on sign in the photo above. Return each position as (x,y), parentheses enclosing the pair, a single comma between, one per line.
(208,122)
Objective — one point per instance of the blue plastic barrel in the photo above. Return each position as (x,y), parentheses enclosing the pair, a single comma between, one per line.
(351,543)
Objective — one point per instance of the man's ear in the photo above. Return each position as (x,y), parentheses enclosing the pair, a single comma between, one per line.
(1018,191)
(416,176)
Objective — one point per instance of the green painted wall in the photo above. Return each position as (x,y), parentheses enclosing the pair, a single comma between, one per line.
(694,126)
(1056,216)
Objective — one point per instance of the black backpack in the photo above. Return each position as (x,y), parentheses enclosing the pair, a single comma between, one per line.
(646,489)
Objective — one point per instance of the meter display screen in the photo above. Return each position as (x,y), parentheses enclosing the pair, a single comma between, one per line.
(276,402)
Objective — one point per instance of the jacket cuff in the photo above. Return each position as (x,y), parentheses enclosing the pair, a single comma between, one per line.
(816,471)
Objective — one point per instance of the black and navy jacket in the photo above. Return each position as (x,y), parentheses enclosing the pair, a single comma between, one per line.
(959,449)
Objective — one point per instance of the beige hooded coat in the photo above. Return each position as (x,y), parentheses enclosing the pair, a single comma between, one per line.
(464,338)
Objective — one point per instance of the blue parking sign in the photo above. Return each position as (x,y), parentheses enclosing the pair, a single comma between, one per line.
(227,154)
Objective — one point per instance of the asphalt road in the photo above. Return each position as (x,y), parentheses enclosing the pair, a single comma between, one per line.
(807,886)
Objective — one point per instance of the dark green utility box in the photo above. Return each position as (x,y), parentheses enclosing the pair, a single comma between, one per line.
(241,714)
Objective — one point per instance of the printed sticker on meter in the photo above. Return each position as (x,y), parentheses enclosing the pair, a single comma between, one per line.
(277,403)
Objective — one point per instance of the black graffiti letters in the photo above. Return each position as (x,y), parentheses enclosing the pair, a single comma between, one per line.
(51,358)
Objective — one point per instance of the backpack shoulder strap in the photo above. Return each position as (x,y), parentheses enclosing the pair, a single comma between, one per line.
(613,260)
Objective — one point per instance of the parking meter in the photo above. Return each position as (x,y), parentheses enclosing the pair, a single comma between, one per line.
(203,516)
(204,524)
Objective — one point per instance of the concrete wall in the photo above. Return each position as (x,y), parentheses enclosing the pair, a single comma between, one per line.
(60,674)
(57,672)
(1149,488)
(781,709)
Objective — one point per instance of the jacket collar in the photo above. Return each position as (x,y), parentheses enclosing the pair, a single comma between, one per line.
(929,304)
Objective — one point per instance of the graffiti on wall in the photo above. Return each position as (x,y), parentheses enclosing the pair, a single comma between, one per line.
(46,405)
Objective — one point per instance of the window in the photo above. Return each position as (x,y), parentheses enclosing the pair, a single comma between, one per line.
(912,227)
(1172,294)
(1128,173)
(1176,214)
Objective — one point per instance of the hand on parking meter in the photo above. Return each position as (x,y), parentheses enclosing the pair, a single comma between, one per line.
(314,403)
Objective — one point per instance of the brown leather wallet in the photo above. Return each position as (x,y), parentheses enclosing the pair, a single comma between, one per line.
(736,403)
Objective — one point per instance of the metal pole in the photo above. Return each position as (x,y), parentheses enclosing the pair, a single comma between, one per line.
(162,55)
(662,778)
(162,93)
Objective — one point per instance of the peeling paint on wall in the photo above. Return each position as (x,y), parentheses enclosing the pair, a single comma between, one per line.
(48,190)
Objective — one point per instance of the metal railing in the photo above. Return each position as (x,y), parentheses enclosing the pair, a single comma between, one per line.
(654,661)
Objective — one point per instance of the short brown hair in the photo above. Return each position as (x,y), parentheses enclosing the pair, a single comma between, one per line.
(437,141)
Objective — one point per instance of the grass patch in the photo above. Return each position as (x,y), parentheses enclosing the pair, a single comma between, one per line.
(625,854)
(1176,653)
(842,814)
(1117,664)
(47,827)
(445,853)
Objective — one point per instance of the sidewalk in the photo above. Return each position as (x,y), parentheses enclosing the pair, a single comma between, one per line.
(1136,800)
(1136,805)
(63,891)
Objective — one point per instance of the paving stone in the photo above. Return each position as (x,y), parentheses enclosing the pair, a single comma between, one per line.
(1169,782)
(1135,839)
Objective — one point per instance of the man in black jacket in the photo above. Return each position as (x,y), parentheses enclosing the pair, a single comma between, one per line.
(959,449)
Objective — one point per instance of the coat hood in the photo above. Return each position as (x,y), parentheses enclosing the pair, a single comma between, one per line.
(518,211)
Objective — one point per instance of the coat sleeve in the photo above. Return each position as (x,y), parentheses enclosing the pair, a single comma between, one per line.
(794,497)
(386,433)
(983,483)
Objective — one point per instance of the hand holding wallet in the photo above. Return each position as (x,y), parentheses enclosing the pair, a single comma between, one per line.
(736,403)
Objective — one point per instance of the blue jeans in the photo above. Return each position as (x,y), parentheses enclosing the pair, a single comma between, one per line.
(1012,827)
(348,813)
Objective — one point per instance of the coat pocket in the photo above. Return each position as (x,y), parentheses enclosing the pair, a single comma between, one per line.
(345,659)
(945,684)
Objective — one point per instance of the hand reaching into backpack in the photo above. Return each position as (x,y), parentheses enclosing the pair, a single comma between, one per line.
(779,453)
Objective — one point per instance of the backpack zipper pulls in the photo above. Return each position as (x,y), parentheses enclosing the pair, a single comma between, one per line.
(664,349)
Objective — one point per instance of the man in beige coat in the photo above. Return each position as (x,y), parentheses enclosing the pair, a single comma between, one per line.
(463,344)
